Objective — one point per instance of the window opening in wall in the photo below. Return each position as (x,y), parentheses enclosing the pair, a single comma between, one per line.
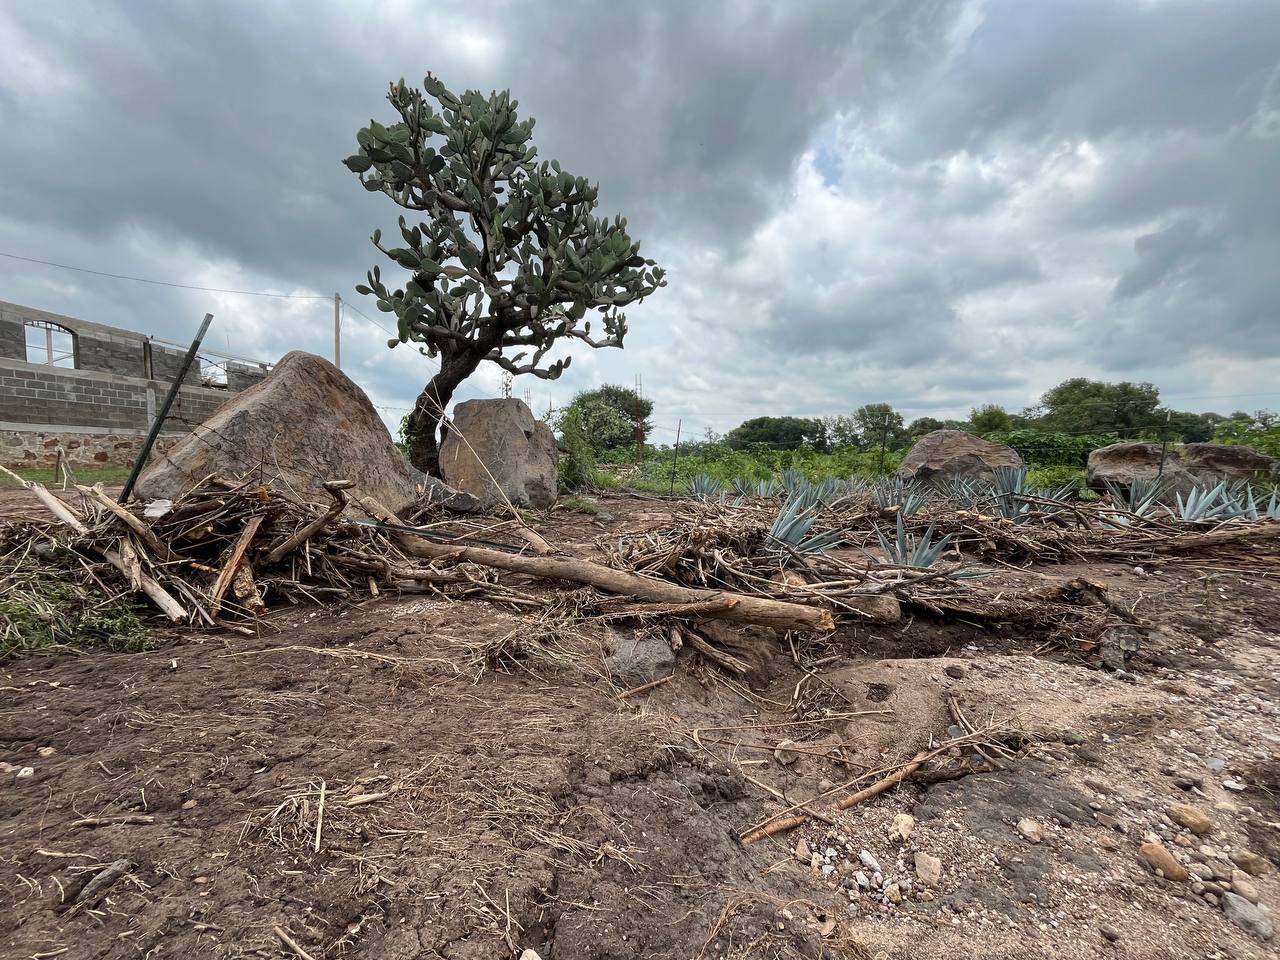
(50,344)
(213,373)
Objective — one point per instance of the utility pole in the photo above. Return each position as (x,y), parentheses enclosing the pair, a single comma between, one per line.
(676,458)
(1164,443)
(337,331)
(884,435)
(637,422)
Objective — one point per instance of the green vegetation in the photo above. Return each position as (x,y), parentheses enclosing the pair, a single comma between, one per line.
(872,441)
(1251,433)
(509,258)
(43,608)
(780,433)
(1038,448)
(611,416)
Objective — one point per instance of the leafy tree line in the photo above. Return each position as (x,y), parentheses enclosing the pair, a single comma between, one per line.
(1071,420)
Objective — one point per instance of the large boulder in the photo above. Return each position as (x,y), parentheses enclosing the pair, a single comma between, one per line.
(1121,464)
(1211,462)
(944,454)
(306,423)
(1196,464)
(496,448)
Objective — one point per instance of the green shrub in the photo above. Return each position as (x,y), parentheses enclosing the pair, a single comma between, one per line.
(1264,440)
(1049,477)
(578,465)
(1039,448)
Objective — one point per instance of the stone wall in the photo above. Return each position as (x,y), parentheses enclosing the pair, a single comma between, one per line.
(101,409)
(21,449)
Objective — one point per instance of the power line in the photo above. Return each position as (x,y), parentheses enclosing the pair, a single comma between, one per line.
(167,283)
(352,306)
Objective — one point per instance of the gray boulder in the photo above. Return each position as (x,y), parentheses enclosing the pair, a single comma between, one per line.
(496,447)
(944,454)
(306,423)
(434,491)
(1248,916)
(1203,464)
(1211,462)
(1123,463)
(638,658)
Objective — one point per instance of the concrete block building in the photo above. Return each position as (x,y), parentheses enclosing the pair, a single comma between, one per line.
(95,390)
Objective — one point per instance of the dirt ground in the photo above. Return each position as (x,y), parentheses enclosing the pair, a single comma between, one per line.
(358,779)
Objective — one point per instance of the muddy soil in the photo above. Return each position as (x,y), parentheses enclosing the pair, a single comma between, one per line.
(362,781)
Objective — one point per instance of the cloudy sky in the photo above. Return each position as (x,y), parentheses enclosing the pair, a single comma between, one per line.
(930,203)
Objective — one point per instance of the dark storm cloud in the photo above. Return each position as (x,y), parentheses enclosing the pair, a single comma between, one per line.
(945,202)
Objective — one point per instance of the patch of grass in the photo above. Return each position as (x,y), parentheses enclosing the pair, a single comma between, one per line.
(41,608)
(86,475)
(578,504)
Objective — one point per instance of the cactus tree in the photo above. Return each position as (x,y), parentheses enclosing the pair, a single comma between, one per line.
(508,258)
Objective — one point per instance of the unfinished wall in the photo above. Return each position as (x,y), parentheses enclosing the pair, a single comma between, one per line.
(100,410)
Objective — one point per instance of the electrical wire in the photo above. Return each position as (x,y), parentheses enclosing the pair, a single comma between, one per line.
(167,283)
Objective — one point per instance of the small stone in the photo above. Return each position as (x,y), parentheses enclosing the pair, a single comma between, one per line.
(1201,870)
(1215,763)
(803,853)
(1156,857)
(925,896)
(1108,842)
(530,955)
(864,882)
(954,671)
(1244,888)
(1193,818)
(1031,831)
(785,756)
(25,772)
(47,751)
(1254,919)
(1109,933)
(928,868)
(893,893)
(1251,863)
(827,870)
(1234,785)
(869,861)
(189,804)
(901,827)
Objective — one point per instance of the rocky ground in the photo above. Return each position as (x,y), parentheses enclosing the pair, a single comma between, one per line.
(416,778)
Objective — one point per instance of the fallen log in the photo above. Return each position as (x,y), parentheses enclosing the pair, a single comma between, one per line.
(748,609)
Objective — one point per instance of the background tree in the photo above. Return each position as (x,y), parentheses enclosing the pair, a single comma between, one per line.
(840,431)
(610,415)
(877,420)
(989,418)
(778,433)
(918,427)
(510,256)
(1080,405)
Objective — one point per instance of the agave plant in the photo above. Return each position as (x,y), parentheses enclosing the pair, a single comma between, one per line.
(749,487)
(1202,504)
(963,491)
(793,481)
(703,486)
(1142,498)
(791,528)
(906,551)
(1009,486)
(907,495)
(1273,508)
